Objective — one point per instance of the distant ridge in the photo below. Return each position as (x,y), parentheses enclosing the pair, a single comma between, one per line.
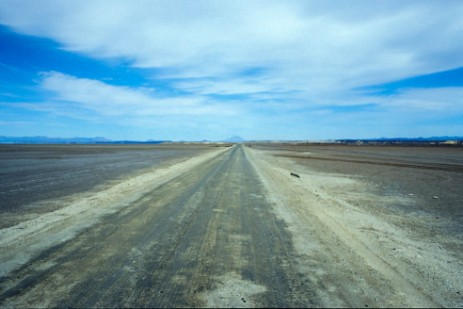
(70,140)
(432,139)
(235,139)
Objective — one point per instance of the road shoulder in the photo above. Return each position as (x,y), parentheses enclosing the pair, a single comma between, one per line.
(19,243)
(370,261)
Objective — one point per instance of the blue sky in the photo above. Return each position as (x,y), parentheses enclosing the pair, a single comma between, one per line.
(194,70)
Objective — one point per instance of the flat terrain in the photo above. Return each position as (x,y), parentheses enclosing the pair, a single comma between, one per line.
(30,174)
(231,227)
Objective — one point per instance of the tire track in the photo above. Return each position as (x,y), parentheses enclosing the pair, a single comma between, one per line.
(207,238)
(309,206)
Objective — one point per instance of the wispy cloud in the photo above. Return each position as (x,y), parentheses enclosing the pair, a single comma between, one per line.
(111,100)
(298,39)
(261,61)
(14,123)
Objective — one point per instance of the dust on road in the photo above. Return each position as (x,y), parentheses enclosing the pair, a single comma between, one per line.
(230,228)
(207,237)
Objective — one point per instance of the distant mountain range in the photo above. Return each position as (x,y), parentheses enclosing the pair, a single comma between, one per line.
(233,139)
(65,140)
(407,139)
(86,140)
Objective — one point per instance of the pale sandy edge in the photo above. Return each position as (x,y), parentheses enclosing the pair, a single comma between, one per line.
(408,271)
(20,243)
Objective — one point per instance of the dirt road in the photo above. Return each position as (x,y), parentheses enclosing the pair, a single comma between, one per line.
(30,174)
(231,228)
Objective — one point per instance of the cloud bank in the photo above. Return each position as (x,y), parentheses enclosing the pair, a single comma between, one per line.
(112,100)
(263,60)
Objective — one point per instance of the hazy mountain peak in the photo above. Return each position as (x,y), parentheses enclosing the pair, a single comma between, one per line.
(235,139)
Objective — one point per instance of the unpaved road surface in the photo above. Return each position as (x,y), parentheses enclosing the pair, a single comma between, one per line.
(30,174)
(229,228)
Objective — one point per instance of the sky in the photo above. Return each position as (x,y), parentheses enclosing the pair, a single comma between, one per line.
(195,70)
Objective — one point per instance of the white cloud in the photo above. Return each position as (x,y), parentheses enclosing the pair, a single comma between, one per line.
(109,100)
(308,54)
(433,101)
(313,46)
(406,111)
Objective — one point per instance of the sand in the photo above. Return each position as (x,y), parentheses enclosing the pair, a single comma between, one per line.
(398,265)
(21,242)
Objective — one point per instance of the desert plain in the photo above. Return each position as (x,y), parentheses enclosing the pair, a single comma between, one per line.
(222,225)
